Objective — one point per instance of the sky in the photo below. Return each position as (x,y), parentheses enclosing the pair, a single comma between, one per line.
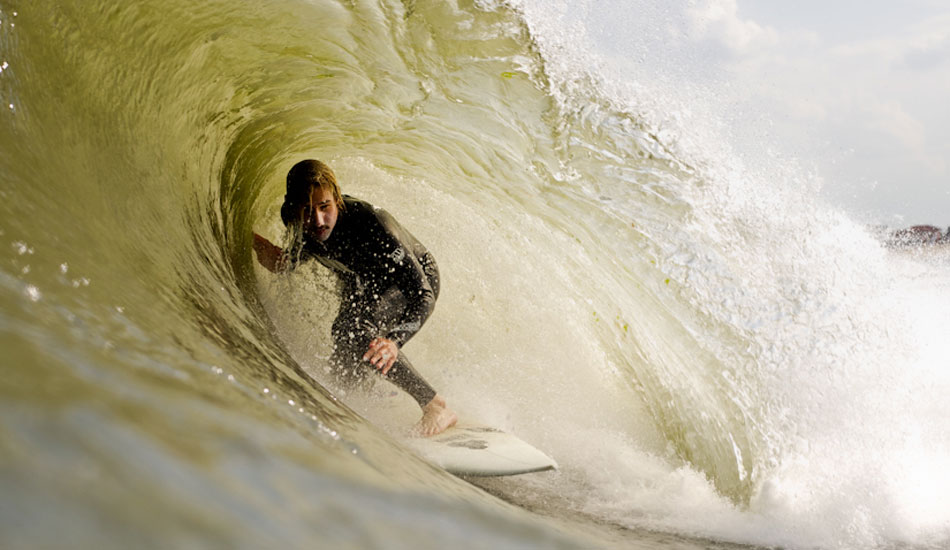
(859,92)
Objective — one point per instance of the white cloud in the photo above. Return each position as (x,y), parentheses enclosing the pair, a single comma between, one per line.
(862,95)
(930,48)
(891,118)
(924,46)
(719,20)
(927,58)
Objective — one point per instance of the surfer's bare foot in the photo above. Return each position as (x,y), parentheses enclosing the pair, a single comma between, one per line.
(436,418)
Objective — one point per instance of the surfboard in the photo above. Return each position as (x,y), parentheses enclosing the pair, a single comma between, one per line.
(477,450)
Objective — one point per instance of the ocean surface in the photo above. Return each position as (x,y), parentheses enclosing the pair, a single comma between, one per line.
(715,356)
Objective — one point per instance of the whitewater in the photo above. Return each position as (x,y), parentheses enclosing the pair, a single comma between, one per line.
(714,355)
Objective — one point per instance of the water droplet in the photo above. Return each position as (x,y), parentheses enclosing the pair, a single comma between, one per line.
(22,248)
(33,293)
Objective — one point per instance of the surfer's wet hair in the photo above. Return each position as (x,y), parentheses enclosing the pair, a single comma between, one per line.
(302,177)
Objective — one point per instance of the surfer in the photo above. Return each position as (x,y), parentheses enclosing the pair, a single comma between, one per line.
(390,281)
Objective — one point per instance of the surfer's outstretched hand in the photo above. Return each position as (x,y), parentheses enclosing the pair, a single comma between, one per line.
(268,254)
(382,353)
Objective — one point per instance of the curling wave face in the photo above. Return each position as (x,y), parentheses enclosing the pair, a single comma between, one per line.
(726,324)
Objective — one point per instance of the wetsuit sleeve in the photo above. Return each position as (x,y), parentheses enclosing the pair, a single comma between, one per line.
(410,277)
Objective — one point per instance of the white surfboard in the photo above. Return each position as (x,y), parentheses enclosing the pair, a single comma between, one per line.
(477,450)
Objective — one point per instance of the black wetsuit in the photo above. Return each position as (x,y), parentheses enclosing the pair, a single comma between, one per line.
(390,284)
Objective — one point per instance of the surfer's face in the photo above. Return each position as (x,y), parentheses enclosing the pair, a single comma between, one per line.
(319,217)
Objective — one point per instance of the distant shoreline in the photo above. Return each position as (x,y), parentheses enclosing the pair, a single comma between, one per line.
(915,236)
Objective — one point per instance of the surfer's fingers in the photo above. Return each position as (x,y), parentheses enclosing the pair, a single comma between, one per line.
(376,356)
(382,359)
(372,351)
(382,354)
(386,361)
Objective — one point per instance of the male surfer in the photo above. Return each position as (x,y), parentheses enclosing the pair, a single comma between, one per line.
(390,281)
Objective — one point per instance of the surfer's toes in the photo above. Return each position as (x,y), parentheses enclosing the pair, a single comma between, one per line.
(435,426)
(447,421)
(436,418)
